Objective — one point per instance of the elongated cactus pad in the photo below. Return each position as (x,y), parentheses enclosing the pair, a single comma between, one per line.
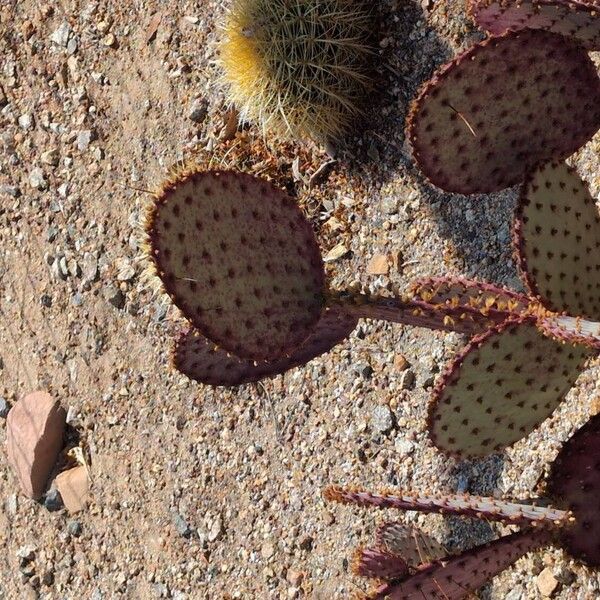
(575,482)
(572,330)
(378,564)
(500,388)
(456,577)
(493,302)
(240,260)
(571,18)
(557,240)
(502,106)
(412,544)
(198,358)
(456,504)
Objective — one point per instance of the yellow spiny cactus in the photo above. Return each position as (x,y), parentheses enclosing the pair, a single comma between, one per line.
(298,68)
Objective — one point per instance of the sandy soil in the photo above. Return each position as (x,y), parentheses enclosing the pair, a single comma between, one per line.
(197,492)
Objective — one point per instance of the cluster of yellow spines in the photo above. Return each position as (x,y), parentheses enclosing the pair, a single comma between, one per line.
(298,68)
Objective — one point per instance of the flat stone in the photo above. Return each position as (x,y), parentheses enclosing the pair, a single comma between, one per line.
(400,362)
(34,437)
(74,488)
(407,380)
(336,253)
(382,418)
(26,122)
(378,265)
(546,583)
(37,179)
(215,530)
(84,138)
(61,35)
(50,157)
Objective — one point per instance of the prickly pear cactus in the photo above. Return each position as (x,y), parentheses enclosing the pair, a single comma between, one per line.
(501,107)
(557,241)
(500,388)
(466,505)
(240,260)
(455,577)
(298,68)
(201,361)
(574,482)
(572,18)
(574,486)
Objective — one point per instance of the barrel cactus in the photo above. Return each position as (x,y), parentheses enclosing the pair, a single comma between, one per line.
(298,69)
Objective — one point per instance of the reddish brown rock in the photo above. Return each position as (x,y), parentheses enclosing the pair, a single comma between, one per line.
(73,486)
(34,437)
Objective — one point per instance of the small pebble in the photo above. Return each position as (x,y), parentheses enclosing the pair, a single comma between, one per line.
(74,528)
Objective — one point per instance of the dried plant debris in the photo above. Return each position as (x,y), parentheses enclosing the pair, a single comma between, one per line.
(200,360)
(500,388)
(557,241)
(501,107)
(579,19)
(239,259)
(298,68)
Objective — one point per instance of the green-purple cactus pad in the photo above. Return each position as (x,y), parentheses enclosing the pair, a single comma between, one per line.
(501,107)
(240,260)
(199,359)
(456,504)
(557,240)
(457,576)
(413,545)
(571,18)
(470,295)
(378,564)
(500,388)
(575,482)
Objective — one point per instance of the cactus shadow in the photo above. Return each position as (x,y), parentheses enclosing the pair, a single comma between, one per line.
(477,225)
(479,477)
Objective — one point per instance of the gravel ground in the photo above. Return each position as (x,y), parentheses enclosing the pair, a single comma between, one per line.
(203,493)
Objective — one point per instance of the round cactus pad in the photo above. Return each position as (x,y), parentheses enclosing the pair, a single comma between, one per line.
(575,483)
(501,107)
(557,241)
(240,260)
(455,577)
(571,18)
(500,388)
(198,358)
